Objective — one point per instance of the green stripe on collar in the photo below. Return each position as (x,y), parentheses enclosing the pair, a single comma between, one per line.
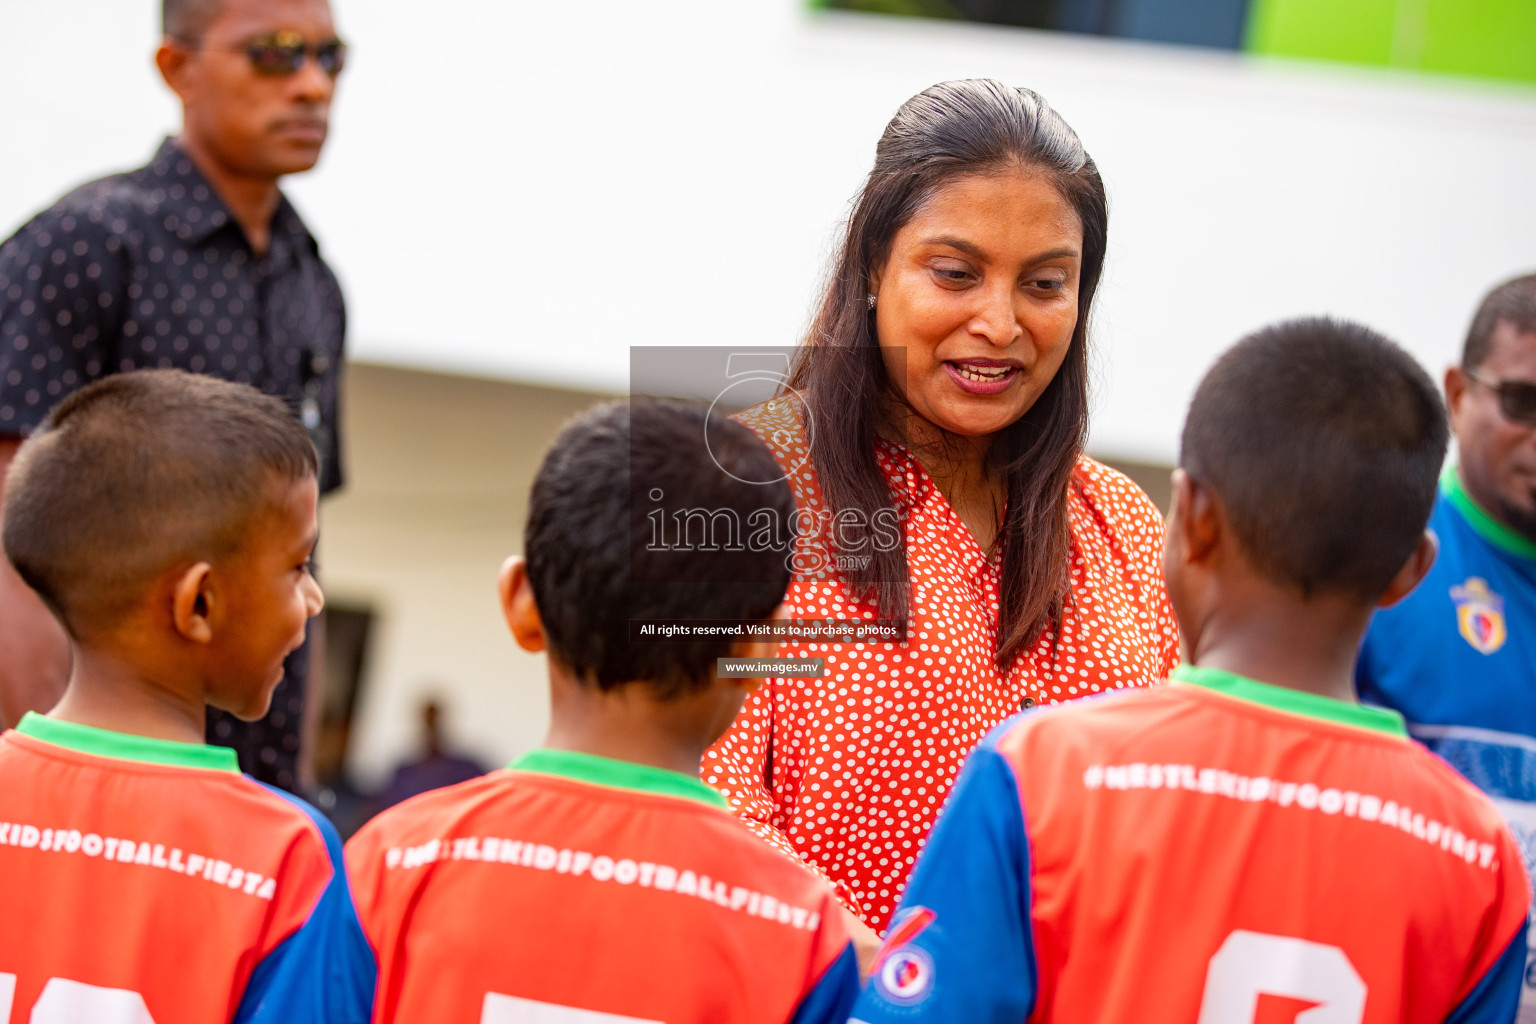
(1477,517)
(126,746)
(1295,702)
(605,771)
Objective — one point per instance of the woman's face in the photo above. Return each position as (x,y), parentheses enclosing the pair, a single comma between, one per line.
(975,306)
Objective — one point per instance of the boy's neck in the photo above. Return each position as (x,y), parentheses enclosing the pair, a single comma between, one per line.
(1302,644)
(627,724)
(107,692)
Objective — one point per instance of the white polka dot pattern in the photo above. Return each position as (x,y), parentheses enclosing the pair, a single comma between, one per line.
(863,758)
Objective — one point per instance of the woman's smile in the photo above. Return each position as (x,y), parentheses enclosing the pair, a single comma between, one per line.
(983,376)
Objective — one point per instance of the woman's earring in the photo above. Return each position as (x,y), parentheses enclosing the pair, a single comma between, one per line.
(871,300)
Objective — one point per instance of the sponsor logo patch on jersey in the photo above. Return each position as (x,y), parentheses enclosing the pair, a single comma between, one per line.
(1479,615)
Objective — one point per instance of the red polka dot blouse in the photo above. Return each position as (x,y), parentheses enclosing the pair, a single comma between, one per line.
(862,759)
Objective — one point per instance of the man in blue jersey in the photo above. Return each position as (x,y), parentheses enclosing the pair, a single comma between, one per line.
(1458,656)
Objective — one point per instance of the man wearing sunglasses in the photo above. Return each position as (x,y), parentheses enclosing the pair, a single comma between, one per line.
(194,261)
(1458,656)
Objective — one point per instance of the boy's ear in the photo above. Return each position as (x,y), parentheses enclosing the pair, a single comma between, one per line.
(192,604)
(1413,570)
(1194,522)
(518,606)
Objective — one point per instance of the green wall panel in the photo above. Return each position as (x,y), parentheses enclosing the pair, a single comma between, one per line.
(1490,38)
(1357,31)
(1484,38)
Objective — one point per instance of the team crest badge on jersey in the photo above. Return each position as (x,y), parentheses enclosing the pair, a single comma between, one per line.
(904,972)
(1480,615)
(906,976)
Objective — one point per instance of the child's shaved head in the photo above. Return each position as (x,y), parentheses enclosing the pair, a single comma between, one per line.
(138,473)
(1323,440)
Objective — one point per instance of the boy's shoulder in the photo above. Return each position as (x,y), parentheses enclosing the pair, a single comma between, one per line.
(126,822)
(507,794)
(177,796)
(1152,724)
(434,809)
(238,886)
(1134,738)
(581,861)
(540,819)
(304,816)
(1087,722)
(145,767)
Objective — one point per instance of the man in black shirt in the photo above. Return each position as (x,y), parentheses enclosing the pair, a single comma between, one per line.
(194,261)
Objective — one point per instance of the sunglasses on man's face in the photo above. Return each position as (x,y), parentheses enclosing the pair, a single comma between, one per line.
(282,53)
(1517,398)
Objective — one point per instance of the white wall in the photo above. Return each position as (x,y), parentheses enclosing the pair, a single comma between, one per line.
(525,189)
(439,472)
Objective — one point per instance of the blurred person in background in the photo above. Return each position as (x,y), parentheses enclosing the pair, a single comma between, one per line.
(346,803)
(1458,657)
(194,261)
(435,768)
(945,383)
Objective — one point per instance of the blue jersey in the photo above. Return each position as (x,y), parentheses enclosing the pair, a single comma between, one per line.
(1457,658)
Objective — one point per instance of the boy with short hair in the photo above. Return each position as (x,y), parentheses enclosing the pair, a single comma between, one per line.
(598,879)
(1249,842)
(167,521)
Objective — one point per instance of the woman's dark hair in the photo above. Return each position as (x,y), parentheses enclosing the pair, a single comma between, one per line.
(948,131)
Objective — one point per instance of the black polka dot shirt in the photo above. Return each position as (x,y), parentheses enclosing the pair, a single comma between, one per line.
(148,269)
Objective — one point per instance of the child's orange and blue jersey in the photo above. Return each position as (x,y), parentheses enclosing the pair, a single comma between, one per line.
(149,882)
(1216,851)
(573,889)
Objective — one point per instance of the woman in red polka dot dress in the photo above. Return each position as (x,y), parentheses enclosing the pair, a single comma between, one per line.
(932,429)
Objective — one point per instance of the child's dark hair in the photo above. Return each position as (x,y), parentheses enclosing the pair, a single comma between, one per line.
(1323,441)
(614,476)
(139,472)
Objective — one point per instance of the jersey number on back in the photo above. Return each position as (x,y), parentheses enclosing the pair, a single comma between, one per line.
(65,1002)
(1252,964)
